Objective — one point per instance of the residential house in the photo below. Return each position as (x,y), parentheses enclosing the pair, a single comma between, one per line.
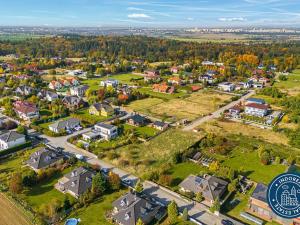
(207,78)
(26,110)
(151,72)
(55,85)
(255,109)
(159,125)
(258,206)
(109,83)
(211,187)
(79,91)
(72,81)
(255,100)
(137,120)
(75,72)
(207,63)
(226,86)
(72,102)
(24,90)
(76,182)
(44,158)
(235,111)
(64,125)
(258,85)
(175,81)
(148,78)
(107,131)
(10,139)
(174,69)
(196,88)
(48,95)
(163,88)
(101,109)
(129,208)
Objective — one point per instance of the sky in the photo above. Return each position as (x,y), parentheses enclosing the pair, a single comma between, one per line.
(150,13)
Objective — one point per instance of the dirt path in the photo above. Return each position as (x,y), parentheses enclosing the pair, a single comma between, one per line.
(10,214)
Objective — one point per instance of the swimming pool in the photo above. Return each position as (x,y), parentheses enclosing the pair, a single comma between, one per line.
(71,222)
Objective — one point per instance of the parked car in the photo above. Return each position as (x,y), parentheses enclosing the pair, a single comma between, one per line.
(80,157)
(227,222)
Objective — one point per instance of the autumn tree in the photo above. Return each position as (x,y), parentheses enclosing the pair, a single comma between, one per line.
(114,180)
(173,212)
(16,183)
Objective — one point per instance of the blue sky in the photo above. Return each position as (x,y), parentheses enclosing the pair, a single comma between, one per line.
(151,13)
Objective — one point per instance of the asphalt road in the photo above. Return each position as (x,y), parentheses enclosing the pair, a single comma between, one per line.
(216,114)
(164,196)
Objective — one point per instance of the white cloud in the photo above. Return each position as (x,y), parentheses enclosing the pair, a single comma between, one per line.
(232,19)
(190,19)
(138,15)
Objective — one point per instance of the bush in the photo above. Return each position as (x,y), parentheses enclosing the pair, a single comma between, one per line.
(15,149)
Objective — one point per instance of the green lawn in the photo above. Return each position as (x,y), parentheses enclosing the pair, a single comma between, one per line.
(94,214)
(250,163)
(142,131)
(292,84)
(182,170)
(122,78)
(85,114)
(41,193)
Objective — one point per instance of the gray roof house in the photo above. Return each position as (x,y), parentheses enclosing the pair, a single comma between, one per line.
(72,102)
(129,208)
(48,95)
(76,182)
(43,158)
(79,90)
(63,125)
(211,187)
(11,139)
(24,90)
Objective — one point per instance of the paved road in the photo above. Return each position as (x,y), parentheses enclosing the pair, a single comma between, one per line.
(217,113)
(162,195)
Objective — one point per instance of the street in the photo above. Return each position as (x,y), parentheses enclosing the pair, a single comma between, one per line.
(198,212)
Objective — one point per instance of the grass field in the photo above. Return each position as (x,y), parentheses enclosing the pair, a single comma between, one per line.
(192,107)
(94,214)
(156,152)
(228,127)
(292,85)
(11,214)
(122,78)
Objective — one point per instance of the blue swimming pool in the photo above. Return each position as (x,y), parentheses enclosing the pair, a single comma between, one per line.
(71,222)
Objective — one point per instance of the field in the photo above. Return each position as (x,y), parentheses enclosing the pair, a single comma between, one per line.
(228,127)
(122,78)
(11,214)
(292,85)
(192,107)
(149,155)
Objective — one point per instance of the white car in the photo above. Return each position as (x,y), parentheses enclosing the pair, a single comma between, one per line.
(80,157)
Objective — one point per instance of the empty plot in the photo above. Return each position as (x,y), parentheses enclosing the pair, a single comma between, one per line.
(10,214)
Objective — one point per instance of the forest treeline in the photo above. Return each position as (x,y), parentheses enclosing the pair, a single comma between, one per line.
(116,48)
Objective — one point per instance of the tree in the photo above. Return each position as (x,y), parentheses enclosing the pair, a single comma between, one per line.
(140,222)
(114,181)
(66,204)
(98,184)
(265,158)
(214,166)
(139,187)
(216,206)
(29,179)
(21,130)
(232,186)
(185,215)
(199,197)
(173,212)
(16,183)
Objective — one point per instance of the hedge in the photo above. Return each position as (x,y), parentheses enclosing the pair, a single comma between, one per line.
(15,149)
